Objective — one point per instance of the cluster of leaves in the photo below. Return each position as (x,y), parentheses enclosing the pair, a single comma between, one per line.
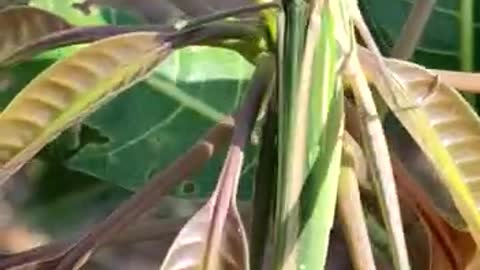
(300,76)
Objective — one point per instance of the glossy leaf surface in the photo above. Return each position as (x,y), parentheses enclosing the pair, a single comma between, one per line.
(437,245)
(185,95)
(443,125)
(71,89)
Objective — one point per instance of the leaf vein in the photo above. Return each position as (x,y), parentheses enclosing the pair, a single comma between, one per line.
(154,128)
(437,51)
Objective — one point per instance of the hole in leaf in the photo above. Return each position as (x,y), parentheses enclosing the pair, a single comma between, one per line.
(188,187)
(92,135)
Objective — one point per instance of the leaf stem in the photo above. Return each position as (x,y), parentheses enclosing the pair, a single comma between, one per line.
(224,197)
(264,191)
(467,46)
(351,212)
(87,34)
(462,81)
(224,14)
(376,144)
(380,165)
(413,29)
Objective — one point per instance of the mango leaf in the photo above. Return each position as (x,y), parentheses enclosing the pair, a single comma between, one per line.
(185,95)
(70,90)
(437,245)
(23,26)
(30,31)
(406,151)
(215,231)
(16,77)
(441,41)
(443,125)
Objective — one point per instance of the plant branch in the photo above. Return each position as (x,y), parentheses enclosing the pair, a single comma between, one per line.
(413,29)
(350,210)
(376,149)
(467,40)
(224,14)
(224,198)
(79,35)
(87,34)
(376,144)
(462,81)
(264,192)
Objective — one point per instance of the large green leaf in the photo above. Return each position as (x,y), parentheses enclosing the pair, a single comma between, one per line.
(160,118)
(440,44)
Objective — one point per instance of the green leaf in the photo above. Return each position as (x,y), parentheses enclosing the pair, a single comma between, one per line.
(440,45)
(70,90)
(149,125)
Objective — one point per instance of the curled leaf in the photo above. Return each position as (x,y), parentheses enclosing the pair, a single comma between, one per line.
(442,123)
(422,172)
(22,26)
(188,249)
(70,90)
(446,248)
